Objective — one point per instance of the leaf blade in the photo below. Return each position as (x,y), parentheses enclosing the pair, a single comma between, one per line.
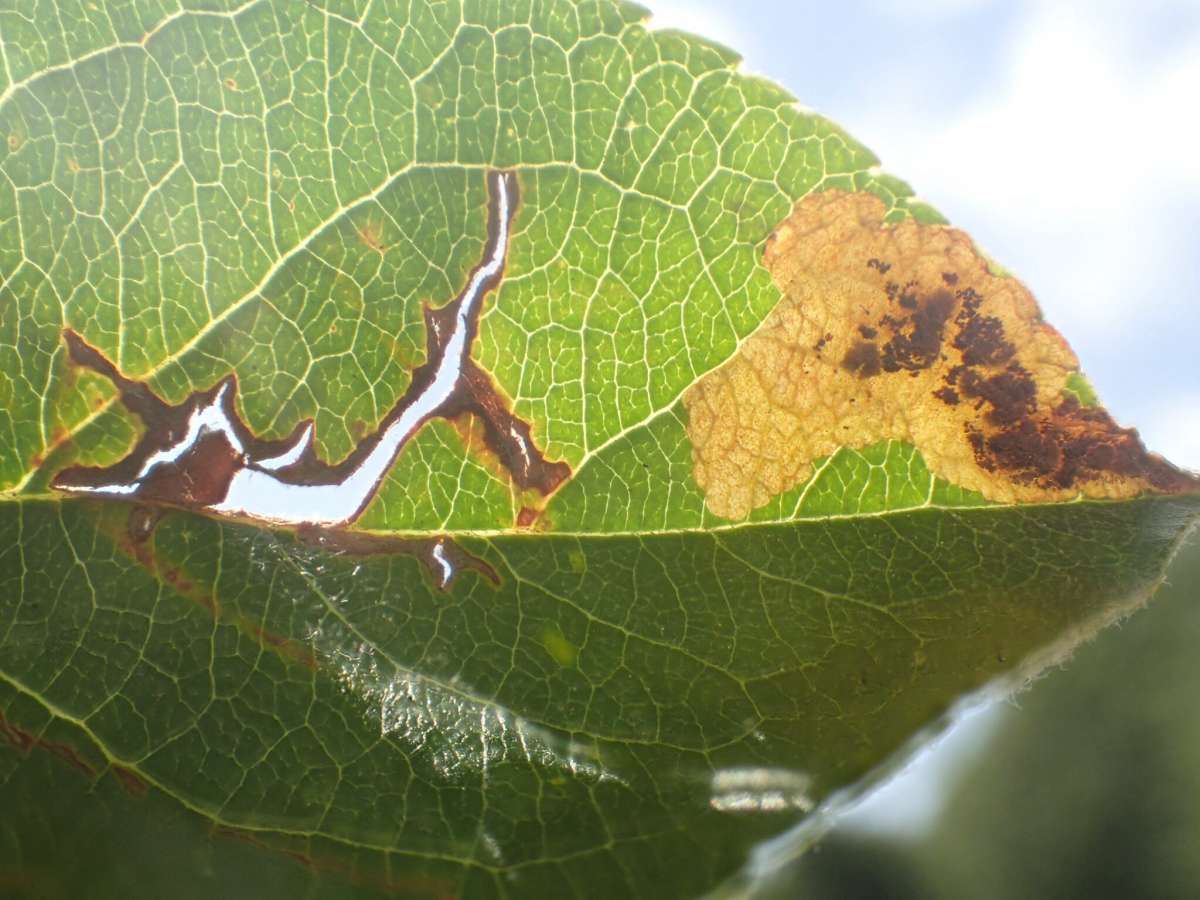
(278,192)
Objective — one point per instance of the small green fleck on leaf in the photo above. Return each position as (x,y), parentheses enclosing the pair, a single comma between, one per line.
(1081,389)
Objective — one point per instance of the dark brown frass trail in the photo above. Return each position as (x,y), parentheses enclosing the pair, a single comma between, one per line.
(201,455)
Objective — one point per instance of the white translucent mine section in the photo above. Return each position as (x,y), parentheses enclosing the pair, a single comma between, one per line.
(118,488)
(203,420)
(290,455)
(259,494)
(439,556)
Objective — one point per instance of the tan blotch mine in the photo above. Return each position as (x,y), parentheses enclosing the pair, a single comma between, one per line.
(903,332)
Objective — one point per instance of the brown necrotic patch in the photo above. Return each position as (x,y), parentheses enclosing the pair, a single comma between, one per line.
(903,332)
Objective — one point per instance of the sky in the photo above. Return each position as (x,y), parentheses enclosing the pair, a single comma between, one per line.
(1063,135)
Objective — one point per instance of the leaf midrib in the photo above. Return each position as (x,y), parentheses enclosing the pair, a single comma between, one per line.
(15,496)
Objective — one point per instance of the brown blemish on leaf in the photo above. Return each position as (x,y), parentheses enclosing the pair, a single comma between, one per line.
(209,466)
(136,542)
(142,522)
(26,741)
(288,650)
(442,557)
(356,875)
(903,332)
(134,539)
(371,234)
(862,359)
(509,438)
(130,781)
(947,395)
(198,472)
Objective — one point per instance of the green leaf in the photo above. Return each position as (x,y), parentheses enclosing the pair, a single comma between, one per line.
(587,636)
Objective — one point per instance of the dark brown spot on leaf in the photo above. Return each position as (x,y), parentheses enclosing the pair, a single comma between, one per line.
(508,437)
(130,781)
(947,395)
(981,340)
(1011,394)
(1024,450)
(918,337)
(862,359)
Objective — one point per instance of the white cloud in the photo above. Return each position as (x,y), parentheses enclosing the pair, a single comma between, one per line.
(1173,429)
(1077,145)
(928,9)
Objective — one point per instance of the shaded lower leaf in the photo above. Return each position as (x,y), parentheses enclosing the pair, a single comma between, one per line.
(615,705)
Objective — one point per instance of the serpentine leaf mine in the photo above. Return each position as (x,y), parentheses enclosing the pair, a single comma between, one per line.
(201,455)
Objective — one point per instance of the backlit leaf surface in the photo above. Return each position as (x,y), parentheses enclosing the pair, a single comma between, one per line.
(647,687)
